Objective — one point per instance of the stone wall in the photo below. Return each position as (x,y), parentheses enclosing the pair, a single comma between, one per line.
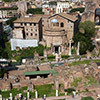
(90,7)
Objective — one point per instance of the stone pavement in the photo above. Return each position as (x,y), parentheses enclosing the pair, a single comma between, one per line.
(61,97)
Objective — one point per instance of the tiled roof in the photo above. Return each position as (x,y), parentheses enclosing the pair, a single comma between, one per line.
(41,72)
(68,16)
(28,19)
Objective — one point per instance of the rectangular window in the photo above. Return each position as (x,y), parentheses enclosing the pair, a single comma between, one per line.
(21,24)
(34,24)
(55,24)
(25,24)
(30,24)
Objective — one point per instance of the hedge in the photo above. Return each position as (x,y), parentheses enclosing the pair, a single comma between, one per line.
(65,56)
(51,57)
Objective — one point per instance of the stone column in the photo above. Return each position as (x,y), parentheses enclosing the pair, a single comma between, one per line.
(1,97)
(70,47)
(20,96)
(36,94)
(78,49)
(56,93)
(28,95)
(11,98)
(74,93)
(56,57)
(59,49)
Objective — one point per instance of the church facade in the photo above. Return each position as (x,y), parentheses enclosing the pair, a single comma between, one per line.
(59,31)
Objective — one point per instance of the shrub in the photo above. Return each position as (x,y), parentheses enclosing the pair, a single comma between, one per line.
(69,90)
(75,82)
(51,57)
(2,72)
(64,56)
(81,10)
(73,51)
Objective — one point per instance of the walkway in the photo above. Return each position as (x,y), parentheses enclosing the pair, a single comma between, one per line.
(61,97)
(68,61)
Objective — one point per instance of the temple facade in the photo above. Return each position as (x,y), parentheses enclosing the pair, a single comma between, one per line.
(59,30)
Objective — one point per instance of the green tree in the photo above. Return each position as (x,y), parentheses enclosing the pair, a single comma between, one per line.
(10,21)
(2,72)
(3,52)
(35,11)
(84,36)
(81,10)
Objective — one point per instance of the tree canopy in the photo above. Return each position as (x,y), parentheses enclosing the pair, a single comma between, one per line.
(34,11)
(9,0)
(81,10)
(84,36)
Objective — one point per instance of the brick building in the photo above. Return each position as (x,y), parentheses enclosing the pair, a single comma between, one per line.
(28,28)
(52,31)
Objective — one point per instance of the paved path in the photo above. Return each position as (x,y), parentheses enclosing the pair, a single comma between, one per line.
(61,97)
(71,60)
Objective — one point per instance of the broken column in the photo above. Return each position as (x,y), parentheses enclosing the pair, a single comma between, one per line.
(36,94)
(28,95)
(56,93)
(11,98)
(1,97)
(78,49)
(70,47)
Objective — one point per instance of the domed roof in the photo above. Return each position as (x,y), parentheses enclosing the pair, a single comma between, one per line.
(54,20)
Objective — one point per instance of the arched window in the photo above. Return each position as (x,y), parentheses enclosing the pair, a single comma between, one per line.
(62,24)
(31,34)
(60,10)
(27,34)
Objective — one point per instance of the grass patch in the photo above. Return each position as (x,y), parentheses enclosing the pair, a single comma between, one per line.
(80,62)
(87,98)
(69,91)
(65,56)
(14,92)
(90,81)
(45,89)
(42,89)
(75,82)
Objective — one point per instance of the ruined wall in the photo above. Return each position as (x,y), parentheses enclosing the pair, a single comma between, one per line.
(90,7)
